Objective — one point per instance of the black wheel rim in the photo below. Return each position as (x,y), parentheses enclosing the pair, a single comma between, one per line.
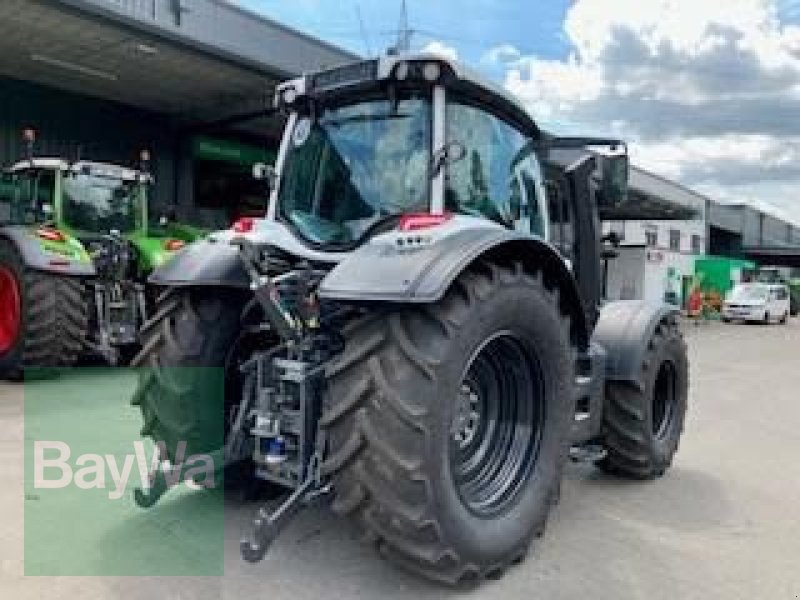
(497,424)
(665,399)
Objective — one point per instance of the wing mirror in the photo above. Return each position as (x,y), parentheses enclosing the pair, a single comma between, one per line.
(266,173)
(614,180)
(450,153)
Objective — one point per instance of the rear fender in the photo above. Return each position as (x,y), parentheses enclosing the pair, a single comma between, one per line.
(419,267)
(624,330)
(63,258)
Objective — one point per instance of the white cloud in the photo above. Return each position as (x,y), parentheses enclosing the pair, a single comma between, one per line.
(503,54)
(441,49)
(708,91)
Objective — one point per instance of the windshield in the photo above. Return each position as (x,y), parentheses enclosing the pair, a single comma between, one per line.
(100,204)
(749,293)
(356,165)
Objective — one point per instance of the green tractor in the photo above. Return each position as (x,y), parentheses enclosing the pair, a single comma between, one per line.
(76,245)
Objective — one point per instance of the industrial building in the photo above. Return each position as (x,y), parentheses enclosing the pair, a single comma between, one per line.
(189,80)
(657,258)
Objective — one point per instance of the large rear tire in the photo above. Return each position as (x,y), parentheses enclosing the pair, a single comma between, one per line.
(448,425)
(643,421)
(48,329)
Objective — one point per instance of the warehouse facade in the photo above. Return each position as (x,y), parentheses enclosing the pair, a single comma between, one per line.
(190,81)
(657,258)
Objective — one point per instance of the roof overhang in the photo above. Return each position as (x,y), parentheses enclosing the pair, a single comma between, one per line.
(138,54)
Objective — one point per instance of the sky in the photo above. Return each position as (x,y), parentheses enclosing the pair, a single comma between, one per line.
(707,92)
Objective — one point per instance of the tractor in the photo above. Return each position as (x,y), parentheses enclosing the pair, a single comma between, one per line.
(414,333)
(76,246)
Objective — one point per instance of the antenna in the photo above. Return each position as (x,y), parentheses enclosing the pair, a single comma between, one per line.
(404,33)
(363,29)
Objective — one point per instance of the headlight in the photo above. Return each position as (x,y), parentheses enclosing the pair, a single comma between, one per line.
(289,95)
(401,71)
(432,71)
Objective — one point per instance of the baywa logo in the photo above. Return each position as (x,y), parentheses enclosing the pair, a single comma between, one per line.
(53,468)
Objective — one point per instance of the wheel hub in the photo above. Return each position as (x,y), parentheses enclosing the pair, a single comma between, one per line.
(467,417)
(10,313)
(497,423)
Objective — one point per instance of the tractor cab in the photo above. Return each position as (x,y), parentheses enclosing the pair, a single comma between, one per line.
(86,198)
(369,143)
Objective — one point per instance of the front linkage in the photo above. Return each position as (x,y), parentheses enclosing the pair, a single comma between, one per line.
(276,423)
(118,301)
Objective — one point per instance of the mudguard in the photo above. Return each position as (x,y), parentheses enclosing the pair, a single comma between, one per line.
(419,267)
(624,330)
(64,258)
(208,262)
(214,260)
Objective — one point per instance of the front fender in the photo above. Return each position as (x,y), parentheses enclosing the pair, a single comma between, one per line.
(624,330)
(64,258)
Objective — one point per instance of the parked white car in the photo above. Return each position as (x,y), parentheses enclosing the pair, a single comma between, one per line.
(762,302)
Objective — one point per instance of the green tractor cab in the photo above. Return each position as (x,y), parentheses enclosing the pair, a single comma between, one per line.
(77,243)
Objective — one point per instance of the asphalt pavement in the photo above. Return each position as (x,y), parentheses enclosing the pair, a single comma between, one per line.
(724,523)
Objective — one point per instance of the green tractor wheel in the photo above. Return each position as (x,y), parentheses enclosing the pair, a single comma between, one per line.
(43,316)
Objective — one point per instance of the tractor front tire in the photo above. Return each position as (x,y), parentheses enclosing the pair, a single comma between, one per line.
(448,425)
(185,350)
(643,421)
(51,319)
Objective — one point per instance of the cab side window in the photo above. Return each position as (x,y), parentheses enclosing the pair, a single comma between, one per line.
(499,177)
(8,193)
(37,189)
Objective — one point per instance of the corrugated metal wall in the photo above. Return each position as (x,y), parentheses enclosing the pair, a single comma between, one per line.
(69,125)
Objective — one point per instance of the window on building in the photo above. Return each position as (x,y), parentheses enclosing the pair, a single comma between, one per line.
(675,240)
(651,238)
(697,244)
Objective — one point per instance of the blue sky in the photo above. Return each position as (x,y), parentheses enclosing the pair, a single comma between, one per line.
(473,27)
(707,92)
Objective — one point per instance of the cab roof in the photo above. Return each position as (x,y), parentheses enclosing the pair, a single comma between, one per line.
(103,169)
(455,76)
